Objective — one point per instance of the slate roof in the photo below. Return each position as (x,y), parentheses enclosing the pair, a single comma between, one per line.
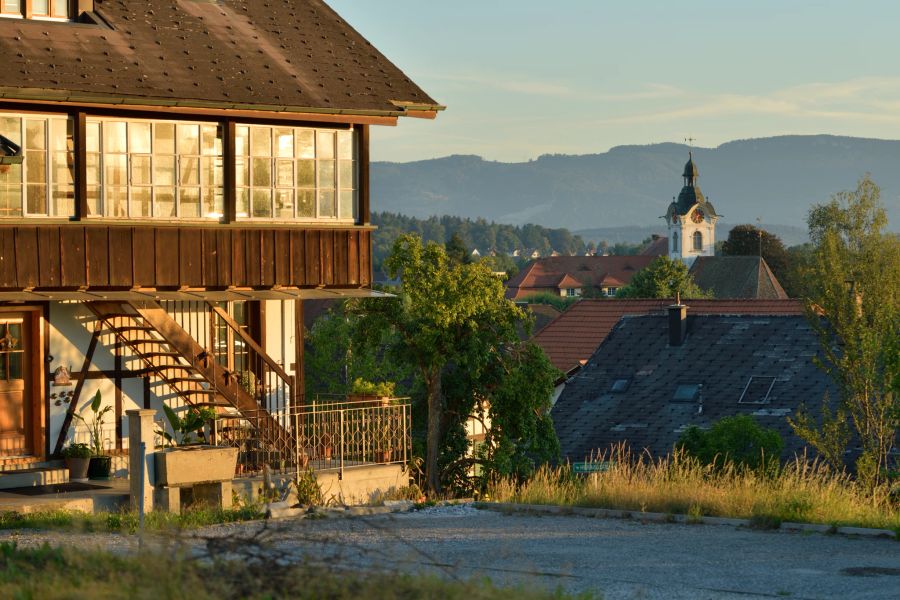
(544,274)
(294,55)
(572,338)
(737,277)
(720,352)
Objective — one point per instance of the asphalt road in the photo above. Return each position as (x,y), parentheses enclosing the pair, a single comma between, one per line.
(616,558)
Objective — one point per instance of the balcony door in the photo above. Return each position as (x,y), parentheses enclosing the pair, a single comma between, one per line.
(16,389)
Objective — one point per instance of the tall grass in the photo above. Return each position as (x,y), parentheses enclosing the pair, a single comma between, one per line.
(800,491)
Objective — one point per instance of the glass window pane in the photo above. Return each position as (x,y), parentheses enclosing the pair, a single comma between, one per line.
(15,366)
(40,7)
(348,204)
(346,174)
(12,6)
(208,139)
(140,170)
(306,143)
(325,144)
(60,8)
(345,145)
(188,139)
(241,172)
(34,135)
(116,201)
(209,172)
(10,201)
(140,201)
(261,141)
(189,202)
(116,169)
(11,128)
(36,166)
(93,169)
(164,138)
(63,201)
(60,134)
(92,137)
(284,143)
(284,173)
(164,170)
(115,138)
(213,204)
(262,172)
(306,204)
(326,174)
(63,168)
(306,173)
(37,199)
(284,204)
(262,204)
(326,204)
(10,174)
(93,198)
(164,202)
(139,138)
(189,170)
(241,143)
(242,203)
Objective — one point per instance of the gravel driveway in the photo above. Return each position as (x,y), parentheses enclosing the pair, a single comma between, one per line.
(618,558)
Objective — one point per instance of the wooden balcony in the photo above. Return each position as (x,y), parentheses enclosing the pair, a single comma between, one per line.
(72,256)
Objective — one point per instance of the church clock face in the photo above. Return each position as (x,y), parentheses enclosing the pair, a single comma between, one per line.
(698,215)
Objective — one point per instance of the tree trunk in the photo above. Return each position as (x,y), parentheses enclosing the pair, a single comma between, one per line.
(434,435)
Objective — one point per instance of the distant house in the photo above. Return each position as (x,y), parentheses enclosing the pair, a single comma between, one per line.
(655,375)
(560,275)
(476,253)
(571,339)
(737,277)
(658,246)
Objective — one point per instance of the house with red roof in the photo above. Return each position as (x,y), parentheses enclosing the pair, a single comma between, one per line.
(568,276)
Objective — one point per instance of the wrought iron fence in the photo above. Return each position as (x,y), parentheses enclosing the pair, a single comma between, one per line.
(321,435)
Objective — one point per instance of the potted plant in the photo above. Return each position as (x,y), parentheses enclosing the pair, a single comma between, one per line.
(78,457)
(101,464)
(185,458)
(368,390)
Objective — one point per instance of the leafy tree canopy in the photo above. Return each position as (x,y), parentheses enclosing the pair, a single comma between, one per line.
(747,240)
(662,278)
(738,439)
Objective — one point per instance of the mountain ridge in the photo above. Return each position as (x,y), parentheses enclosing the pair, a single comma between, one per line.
(775,179)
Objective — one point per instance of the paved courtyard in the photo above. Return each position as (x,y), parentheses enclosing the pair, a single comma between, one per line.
(621,559)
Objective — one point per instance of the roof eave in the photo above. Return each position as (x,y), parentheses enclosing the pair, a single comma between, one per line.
(74,97)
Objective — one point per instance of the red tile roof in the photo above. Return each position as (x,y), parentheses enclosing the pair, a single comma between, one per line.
(544,274)
(656,247)
(572,338)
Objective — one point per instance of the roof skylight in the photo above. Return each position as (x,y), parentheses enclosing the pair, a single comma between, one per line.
(757,390)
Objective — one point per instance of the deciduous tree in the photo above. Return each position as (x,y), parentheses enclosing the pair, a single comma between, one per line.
(662,278)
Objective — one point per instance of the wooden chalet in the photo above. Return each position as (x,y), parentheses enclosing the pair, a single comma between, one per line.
(176,177)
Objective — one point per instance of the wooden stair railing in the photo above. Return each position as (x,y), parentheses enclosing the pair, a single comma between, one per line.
(189,369)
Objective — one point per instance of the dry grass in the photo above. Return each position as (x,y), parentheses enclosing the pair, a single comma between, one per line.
(678,484)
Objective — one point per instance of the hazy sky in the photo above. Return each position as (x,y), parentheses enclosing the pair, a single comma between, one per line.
(523,78)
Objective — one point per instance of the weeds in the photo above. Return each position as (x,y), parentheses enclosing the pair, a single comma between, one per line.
(127,522)
(678,484)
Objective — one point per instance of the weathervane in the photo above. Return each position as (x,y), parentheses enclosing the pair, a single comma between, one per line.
(690,142)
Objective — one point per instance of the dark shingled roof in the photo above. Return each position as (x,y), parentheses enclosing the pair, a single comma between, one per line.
(296,55)
(720,352)
(737,277)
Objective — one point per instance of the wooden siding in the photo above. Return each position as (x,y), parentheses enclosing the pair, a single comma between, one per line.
(77,256)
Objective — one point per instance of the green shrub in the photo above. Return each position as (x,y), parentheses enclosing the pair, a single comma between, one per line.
(739,440)
(77,451)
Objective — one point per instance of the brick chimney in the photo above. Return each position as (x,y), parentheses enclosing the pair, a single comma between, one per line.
(677,323)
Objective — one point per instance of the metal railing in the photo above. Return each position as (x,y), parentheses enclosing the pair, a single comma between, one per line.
(331,435)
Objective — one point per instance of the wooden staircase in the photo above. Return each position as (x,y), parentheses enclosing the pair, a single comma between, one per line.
(178,360)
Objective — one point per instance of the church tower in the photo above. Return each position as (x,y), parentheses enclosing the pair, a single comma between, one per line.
(691,220)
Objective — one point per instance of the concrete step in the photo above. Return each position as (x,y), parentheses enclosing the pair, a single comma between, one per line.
(31,477)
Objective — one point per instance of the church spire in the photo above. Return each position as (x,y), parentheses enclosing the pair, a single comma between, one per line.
(691,174)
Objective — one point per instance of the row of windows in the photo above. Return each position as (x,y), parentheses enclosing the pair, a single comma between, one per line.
(56,9)
(175,170)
